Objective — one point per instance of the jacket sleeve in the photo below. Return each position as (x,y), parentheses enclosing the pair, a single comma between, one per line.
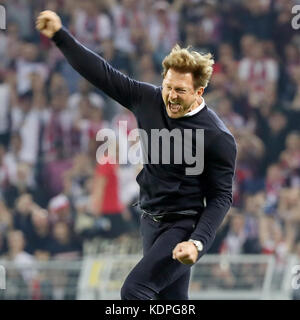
(100,73)
(219,173)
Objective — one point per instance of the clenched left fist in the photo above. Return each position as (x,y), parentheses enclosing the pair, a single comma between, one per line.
(185,252)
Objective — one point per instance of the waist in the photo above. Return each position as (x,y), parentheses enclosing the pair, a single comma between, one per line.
(167,217)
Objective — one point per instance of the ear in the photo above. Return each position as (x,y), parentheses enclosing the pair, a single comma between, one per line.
(200,91)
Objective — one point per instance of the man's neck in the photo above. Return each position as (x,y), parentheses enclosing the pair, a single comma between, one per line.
(196,104)
(199,105)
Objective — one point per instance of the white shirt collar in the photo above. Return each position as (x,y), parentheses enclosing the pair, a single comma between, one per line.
(200,107)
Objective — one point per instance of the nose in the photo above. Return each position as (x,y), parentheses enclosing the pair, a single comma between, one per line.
(173,95)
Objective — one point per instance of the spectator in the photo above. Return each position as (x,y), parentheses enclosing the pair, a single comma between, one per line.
(288,208)
(258,72)
(13,160)
(12,157)
(231,118)
(258,18)
(59,131)
(117,58)
(249,159)
(236,237)
(162,26)
(22,184)
(64,245)
(84,91)
(6,221)
(276,241)
(19,12)
(22,259)
(60,210)
(25,120)
(283,31)
(106,198)
(91,24)
(290,158)
(22,213)
(88,123)
(127,17)
(146,70)
(273,131)
(211,23)
(9,45)
(275,181)
(76,178)
(40,239)
(26,64)
(254,206)
(247,43)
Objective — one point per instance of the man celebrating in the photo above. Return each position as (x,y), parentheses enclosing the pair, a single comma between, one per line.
(181,208)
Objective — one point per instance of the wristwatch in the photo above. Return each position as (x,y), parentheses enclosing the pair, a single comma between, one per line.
(198,244)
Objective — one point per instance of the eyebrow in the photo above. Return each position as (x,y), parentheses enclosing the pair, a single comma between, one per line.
(176,88)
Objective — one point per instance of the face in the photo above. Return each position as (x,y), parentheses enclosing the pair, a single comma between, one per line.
(277,122)
(237,224)
(40,218)
(293,142)
(58,102)
(30,52)
(258,51)
(179,94)
(61,232)
(274,173)
(16,241)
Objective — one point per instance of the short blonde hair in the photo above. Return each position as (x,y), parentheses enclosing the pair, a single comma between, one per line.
(185,60)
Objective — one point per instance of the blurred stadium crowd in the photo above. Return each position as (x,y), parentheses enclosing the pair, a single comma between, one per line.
(49,117)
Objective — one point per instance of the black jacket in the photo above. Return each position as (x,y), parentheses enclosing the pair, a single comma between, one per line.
(166,188)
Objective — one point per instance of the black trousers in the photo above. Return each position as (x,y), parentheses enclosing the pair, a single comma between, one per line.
(157,275)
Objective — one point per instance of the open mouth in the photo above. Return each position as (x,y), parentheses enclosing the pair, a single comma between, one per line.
(174,107)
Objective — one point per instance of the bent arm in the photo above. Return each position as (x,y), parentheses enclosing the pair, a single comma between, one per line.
(220,172)
(99,72)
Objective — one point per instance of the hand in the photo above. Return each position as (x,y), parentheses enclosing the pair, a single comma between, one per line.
(185,252)
(48,22)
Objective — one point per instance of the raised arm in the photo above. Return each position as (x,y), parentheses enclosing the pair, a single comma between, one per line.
(94,68)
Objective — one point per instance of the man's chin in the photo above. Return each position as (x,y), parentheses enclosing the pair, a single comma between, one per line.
(172,114)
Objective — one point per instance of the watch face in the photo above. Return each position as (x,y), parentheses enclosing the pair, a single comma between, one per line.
(198,245)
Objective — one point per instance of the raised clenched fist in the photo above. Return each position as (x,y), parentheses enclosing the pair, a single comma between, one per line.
(48,22)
